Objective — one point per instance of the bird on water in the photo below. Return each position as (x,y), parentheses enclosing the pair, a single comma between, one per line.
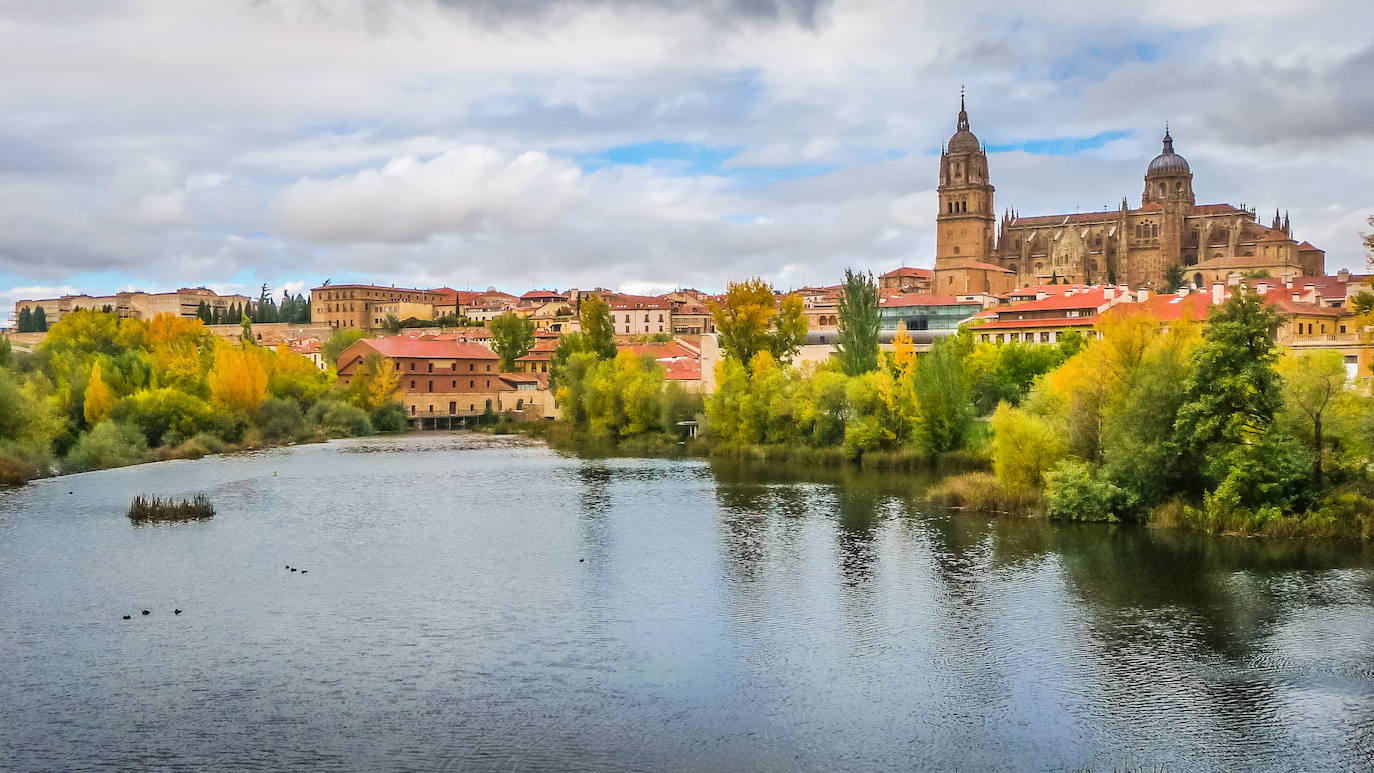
(176,611)
(128,617)
(146,612)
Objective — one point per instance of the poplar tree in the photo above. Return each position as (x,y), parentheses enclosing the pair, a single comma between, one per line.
(857,344)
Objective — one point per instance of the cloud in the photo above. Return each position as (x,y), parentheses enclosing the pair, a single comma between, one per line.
(487,142)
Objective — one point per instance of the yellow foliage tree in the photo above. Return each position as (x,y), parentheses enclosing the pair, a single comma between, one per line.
(376,383)
(903,349)
(99,399)
(238,380)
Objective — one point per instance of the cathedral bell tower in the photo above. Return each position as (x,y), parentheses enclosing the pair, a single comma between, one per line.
(964,228)
(1168,180)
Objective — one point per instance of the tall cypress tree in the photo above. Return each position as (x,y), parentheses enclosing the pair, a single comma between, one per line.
(39,321)
(25,320)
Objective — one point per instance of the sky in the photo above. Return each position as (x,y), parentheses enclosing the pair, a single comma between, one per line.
(640,145)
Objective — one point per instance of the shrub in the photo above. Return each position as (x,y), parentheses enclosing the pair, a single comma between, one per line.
(1073,491)
(280,419)
(15,471)
(110,444)
(154,509)
(389,418)
(339,419)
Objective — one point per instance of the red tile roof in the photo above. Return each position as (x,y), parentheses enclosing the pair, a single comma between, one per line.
(1306,245)
(622,302)
(400,346)
(1085,299)
(1053,220)
(908,271)
(1213,209)
(549,294)
(1007,324)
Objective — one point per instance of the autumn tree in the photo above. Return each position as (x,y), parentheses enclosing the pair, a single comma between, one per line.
(375,384)
(238,380)
(942,396)
(98,400)
(512,337)
(857,344)
(750,320)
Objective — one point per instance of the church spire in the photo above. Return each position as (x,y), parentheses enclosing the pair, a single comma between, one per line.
(962,125)
(1168,139)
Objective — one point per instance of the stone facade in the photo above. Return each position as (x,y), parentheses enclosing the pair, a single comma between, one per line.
(1133,246)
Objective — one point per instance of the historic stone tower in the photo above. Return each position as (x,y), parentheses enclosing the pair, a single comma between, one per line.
(965,226)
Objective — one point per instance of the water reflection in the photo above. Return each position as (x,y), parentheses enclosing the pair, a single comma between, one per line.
(474,604)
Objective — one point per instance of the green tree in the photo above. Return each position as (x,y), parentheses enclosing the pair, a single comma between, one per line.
(512,337)
(25,321)
(594,318)
(1233,391)
(1311,382)
(1173,278)
(857,344)
(339,339)
(246,337)
(942,396)
(38,320)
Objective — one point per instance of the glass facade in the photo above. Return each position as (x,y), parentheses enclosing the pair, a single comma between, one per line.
(944,317)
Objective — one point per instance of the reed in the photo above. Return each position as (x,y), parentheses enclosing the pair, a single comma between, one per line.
(157,509)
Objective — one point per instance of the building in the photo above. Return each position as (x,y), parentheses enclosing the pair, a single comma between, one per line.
(680,359)
(1137,246)
(906,280)
(446,378)
(1046,317)
(641,314)
(136,304)
(360,306)
(925,317)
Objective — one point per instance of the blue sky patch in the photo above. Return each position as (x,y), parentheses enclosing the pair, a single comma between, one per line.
(1062,146)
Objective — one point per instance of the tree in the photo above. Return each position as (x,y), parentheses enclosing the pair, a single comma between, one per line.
(1024,448)
(942,396)
(375,384)
(594,317)
(238,380)
(25,321)
(246,337)
(1310,382)
(38,321)
(1369,243)
(857,344)
(750,320)
(1233,392)
(512,337)
(98,400)
(392,324)
(1173,278)
(340,339)
(203,312)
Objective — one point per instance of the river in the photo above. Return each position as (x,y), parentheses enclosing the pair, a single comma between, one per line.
(476,603)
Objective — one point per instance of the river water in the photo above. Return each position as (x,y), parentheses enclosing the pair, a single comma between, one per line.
(475,603)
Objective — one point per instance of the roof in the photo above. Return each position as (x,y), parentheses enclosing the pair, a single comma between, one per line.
(421,348)
(1306,245)
(1213,209)
(921,299)
(905,271)
(372,287)
(621,302)
(1007,324)
(1034,290)
(1085,299)
(533,294)
(682,370)
(661,350)
(1075,217)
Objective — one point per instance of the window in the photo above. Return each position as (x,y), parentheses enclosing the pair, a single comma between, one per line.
(431,367)
(412,410)
(452,407)
(472,384)
(412,383)
(431,388)
(472,366)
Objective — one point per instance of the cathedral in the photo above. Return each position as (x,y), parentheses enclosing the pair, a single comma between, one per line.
(976,252)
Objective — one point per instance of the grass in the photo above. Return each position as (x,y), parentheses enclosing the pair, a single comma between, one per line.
(156,509)
(980,491)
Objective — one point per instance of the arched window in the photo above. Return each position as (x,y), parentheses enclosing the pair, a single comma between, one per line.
(1197,279)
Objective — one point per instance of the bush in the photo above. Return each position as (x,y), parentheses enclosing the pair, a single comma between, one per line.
(110,444)
(280,419)
(389,418)
(1074,492)
(15,471)
(339,419)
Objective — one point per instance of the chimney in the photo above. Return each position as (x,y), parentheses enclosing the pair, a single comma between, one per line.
(1108,293)
(1343,275)
(1218,292)
(1295,297)
(1261,287)
(1142,295)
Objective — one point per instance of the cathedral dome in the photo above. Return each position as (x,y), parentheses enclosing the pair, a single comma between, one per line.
(963,140)
(1168,161)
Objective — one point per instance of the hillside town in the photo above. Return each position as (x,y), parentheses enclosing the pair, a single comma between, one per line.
(1017,280)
